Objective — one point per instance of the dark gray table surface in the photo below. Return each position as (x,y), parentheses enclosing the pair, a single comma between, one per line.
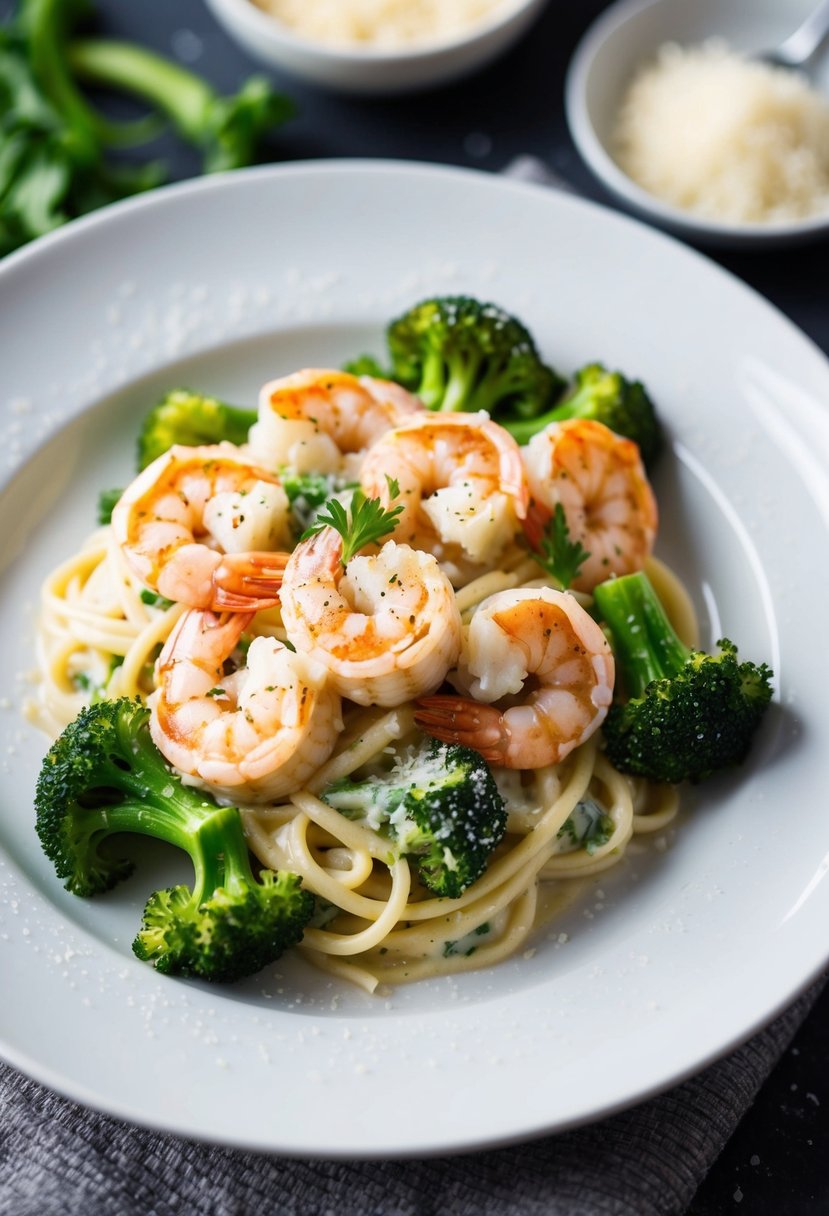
(776,1162)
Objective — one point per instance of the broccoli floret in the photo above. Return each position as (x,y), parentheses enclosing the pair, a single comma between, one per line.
(622,405)
(689,713)
(440,805)
(367,365)
(191,419)
(457,353)
(103,776)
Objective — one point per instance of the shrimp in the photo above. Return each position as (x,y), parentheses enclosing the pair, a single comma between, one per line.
(538,635)
(251,736)
(599,479)
(461,483)
(387,627)
(200,526)
(322,421)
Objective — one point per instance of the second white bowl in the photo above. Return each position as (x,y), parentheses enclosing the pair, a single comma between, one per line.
(370,70)
(628,35)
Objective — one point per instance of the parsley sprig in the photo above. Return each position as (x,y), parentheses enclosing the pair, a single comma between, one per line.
(562,557)
(365,522)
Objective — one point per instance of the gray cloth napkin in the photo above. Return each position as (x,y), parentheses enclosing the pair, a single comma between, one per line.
(59,1159)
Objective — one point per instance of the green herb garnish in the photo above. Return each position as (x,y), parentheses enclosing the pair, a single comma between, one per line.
(366,521)
(106,504)
(587,826)
(557,553)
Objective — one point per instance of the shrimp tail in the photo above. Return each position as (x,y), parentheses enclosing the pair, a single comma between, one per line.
(248,582)
(513,479)
(462,720)
(535,523)
(199,633)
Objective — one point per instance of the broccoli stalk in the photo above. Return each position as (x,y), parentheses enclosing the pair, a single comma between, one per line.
(52,143)
(103,776)
(45,26)
(191,419)
(367,365)
(226,129)
(457,353)
(689,713)
(440,805)
(622,405)
(54,146)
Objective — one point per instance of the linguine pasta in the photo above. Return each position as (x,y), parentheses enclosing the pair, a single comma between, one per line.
(99,634)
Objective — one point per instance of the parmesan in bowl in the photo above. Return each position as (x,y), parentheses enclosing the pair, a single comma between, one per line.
(377,47)
(381,23)
(673,110)
(724,137)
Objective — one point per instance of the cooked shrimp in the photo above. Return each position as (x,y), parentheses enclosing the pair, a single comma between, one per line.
(386,627)
(251,736)
(599,479)
(536,635)
(461,483)
(200,526)
(322,421)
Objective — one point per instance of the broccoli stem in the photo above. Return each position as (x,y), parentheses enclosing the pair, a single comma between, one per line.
(461,384)
(494,388)
(180,94)
(578,403)
(203,832)
(523,429)
(178,813)
(45,24)
(219,853)
(644,641)
(211,835)
(432,381)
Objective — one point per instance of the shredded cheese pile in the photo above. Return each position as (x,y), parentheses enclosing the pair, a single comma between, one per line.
(724,137)
(380,23)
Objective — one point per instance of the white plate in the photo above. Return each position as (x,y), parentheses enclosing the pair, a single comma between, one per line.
(672,958)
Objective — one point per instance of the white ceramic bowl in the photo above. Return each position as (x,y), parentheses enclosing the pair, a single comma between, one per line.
(370,70)
(630,33)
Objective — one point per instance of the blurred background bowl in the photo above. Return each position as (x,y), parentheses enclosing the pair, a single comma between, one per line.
(629,34)
(370,70)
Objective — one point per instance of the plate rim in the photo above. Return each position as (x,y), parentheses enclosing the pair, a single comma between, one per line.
(120,213)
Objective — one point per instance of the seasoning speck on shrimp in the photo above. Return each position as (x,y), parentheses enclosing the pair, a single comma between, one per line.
(323,421)
(254,735)
(536,637)
(201,525)
(461,483)
(386,626)
(600,481)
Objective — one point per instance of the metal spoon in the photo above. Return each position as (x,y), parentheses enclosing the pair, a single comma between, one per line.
(801,46)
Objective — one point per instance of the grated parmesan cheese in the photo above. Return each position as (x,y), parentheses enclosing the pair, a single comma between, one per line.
(380,23)
(726,138)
